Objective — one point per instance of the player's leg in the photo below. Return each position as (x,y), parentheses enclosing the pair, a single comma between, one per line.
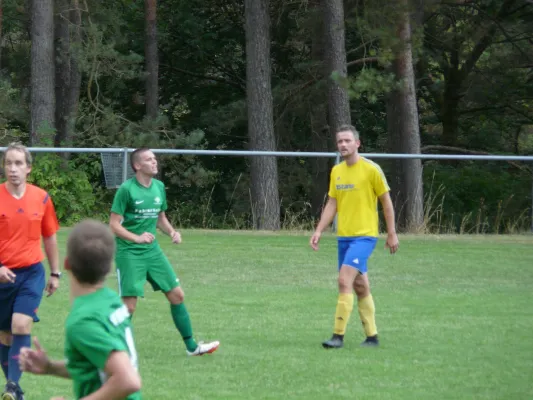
(367,309)
(21,327)
(6,313)
(361,287)
(344,308)
(131,303)
(131,277)
(32,283)
(162,277)
(5,345)
(8,294)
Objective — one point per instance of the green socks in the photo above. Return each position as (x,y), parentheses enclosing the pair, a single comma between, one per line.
(181,318)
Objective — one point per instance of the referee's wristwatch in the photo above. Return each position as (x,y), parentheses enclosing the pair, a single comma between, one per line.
(56,274)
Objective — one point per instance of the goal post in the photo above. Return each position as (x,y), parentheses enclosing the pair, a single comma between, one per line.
(116,167)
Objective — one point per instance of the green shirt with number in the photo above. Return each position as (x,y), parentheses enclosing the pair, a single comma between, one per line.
(139,207)
(98,324)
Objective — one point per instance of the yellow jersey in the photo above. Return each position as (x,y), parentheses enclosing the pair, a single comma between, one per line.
(356,189)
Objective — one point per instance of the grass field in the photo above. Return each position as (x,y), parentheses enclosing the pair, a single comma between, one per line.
(455,317)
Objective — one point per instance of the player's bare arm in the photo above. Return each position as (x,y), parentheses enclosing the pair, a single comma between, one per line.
(123,379)
(115,223)
(165,226)
(36,361)
(392,242)
(325,220)
(52,254)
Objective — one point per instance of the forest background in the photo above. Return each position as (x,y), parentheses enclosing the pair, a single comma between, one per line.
(436,77)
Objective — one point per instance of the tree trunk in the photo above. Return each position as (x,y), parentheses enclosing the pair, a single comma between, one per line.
(1,32)
(62,69)
(320,165)
(450,122)
(335,64)
(320,136)
(151,59)
(402,120)
(42,72)
(450,105)
(75,71)
(68,74)
(264,170)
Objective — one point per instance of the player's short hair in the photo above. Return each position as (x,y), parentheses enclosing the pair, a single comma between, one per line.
(351,128)
(135,156)
(90,251)
(18,147)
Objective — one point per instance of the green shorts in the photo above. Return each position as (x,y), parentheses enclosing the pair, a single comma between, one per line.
(133,272)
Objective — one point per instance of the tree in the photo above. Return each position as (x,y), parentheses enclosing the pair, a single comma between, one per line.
(68,74)
(264,170)
(42,70)
(151,59)
(320,134)
(1,35)
(335,64)
(403,129)
(459,33)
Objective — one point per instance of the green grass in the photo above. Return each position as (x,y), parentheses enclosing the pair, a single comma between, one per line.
(454,313)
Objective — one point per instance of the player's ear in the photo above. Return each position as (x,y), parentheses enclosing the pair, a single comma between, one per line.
(66,264)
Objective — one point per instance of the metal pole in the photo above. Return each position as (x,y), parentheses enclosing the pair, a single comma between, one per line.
(124,164)
(532,198)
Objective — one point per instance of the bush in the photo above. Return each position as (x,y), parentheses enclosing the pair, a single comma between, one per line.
(478,198)
(69,188)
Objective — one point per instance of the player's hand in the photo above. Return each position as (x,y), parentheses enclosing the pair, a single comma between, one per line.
(6,275)
(34,361)
(146,237)
(313,242)
(176,237)
(52,285)
(392,243)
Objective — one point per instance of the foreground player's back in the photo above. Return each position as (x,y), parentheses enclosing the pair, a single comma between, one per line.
(97,325)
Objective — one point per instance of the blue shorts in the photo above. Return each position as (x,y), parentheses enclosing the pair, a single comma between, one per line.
(23,296)
(355,251)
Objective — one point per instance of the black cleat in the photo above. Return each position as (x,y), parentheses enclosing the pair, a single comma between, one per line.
(371,341)
(12,391)
(336,342)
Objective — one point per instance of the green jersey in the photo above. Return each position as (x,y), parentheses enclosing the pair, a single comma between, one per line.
(140,207)
(97,325)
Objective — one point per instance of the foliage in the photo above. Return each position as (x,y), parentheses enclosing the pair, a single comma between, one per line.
(69,188)
(497,197)
(13,110)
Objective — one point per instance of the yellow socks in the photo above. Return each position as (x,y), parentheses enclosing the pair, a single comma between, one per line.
(367,312)
(342,314)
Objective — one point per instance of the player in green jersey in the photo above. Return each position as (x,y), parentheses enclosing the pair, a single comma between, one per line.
(100,353)
(138,210)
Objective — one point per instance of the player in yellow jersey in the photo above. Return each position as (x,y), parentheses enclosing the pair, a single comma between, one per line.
(356,184)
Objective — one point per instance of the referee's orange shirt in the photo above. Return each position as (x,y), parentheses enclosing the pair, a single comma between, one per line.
(22,223)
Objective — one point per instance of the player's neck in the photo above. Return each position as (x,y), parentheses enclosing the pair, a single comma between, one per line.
(352,159)
(77,289)
(16,191)
(144,180)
